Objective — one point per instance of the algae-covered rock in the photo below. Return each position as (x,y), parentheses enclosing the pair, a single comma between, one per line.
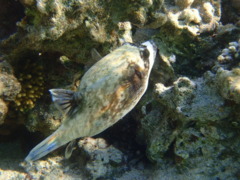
(9,88)
(196,100)
(188,15)
(229,84)
(72,27)
(190,120)
(184,104)
(44,119)
(52,168)
(228,72)
(103,160)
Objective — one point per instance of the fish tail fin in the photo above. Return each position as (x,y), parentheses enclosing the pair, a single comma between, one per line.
(46,146)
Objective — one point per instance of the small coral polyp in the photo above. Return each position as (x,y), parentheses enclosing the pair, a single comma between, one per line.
(32,81)
(230,54)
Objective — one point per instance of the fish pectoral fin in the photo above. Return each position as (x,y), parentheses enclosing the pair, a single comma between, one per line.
(95,55)
(65,100)
(69,149)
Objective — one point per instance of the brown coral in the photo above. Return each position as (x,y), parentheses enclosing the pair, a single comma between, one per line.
(32,81)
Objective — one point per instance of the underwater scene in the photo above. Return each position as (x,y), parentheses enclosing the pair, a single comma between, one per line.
(120,90)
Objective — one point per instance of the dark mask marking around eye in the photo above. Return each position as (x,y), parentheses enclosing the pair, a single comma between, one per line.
(144,53)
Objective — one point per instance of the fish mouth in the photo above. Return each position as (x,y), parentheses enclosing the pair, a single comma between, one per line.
(152,48)
(153,45)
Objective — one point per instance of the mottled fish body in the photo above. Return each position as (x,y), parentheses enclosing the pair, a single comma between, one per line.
(107,92)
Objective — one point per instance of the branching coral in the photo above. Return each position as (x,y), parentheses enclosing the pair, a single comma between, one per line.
(32,81)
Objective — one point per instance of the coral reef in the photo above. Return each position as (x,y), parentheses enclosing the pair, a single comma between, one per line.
(43,119)
(190,120)
(103,160)
(74,27)
(228,72)
(187,123)
(96,160)
(192,16)
(191,125)
(229,84)
(58,71)
(9,88)
(32,82)
(51,169)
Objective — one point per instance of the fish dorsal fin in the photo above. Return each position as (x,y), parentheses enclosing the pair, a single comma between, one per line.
(69,149)
(65,100)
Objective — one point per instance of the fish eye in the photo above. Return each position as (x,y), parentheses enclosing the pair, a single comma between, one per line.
(144,53)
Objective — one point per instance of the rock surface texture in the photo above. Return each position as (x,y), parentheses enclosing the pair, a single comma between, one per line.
(9,88)
(185,127)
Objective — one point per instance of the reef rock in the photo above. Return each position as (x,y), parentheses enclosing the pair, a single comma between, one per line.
(51,168)
(95,160)
(188,15)
(192,119)
(103,160)
(44,119)
(193,99)
(228,72)
(229,84)
(9,88)
(189,120)
(186,102)
(73,27)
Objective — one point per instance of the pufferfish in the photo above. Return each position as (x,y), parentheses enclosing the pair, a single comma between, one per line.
(107,92)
